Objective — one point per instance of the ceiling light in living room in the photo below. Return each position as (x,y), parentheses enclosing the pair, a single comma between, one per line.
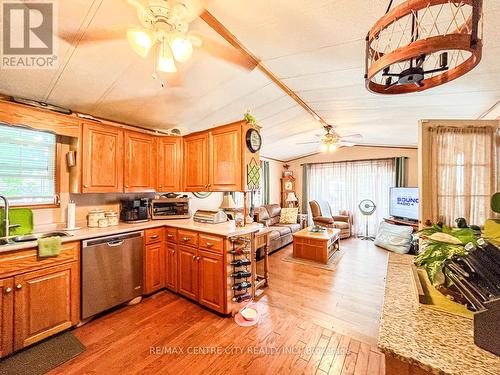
(420,44)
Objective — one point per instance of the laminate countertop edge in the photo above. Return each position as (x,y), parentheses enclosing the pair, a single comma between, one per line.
(437,342)
(227,229)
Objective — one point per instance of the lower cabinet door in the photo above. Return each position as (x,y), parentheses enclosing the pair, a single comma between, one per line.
(7,318)
(187,271)
(46,302)
(154,268)
(211,273)
(171,266)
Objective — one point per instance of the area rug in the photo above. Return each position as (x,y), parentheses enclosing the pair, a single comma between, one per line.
(44,356)
(330,266)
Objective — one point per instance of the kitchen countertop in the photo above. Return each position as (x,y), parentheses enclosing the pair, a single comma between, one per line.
(438,342)
(227,229)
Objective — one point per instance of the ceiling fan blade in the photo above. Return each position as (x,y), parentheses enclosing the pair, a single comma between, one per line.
(351,136)
(420,60)
(307,143)
(436,70)
(224,52)
(93,36)
(347,144)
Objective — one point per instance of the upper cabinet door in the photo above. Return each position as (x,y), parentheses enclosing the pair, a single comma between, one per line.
(196,162)
(140,164)
(102,164)
(225,171)
(169,164)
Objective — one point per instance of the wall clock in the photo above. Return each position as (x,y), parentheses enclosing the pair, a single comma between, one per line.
(254,140)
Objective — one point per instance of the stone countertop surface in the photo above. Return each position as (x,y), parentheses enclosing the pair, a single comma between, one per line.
(438,342)
(227,229)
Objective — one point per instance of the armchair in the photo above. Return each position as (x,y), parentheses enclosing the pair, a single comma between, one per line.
(322,215)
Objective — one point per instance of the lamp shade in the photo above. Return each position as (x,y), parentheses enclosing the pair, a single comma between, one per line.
(291,197)
(227,202)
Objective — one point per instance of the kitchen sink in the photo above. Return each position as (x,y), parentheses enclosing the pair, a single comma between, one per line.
(36,236)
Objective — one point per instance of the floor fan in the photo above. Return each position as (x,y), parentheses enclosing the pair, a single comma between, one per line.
(367,208)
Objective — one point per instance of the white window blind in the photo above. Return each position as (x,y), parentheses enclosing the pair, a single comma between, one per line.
(27,166)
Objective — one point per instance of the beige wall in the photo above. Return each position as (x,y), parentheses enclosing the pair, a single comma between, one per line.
(357,153)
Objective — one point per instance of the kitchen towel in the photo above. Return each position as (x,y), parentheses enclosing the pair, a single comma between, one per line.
(21,216)
(49,247)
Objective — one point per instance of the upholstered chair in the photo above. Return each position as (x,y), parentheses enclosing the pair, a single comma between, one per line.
(322,215)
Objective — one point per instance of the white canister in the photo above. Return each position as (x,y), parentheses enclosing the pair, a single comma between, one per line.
(112,217)
(93,218)
(103,223)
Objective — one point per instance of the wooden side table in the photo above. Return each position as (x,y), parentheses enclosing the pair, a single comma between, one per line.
(261,239)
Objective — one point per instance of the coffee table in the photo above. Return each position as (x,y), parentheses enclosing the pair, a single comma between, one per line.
(316,246)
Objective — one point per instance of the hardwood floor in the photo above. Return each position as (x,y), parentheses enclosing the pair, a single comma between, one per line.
(313,321)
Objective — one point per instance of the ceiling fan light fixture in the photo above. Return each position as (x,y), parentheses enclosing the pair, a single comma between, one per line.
(166,62)
(332,147)
(140,40)
(181,48)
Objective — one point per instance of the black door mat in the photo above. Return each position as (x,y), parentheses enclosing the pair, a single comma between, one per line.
(43,357)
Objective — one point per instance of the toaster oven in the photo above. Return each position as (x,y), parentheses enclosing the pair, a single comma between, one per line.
(170,208)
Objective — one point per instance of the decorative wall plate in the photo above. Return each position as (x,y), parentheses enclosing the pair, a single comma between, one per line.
(202,194)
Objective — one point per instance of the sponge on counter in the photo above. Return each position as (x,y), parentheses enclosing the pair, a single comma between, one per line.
(49,247)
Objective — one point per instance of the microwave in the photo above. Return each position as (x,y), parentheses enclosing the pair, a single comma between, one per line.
(170,208)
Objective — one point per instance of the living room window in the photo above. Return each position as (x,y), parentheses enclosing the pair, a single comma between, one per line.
(27,166)
(345,184)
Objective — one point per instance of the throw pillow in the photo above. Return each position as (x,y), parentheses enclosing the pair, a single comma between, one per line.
(396,238)
(289,215)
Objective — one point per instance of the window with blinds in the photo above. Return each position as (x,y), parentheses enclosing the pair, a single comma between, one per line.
(27,166)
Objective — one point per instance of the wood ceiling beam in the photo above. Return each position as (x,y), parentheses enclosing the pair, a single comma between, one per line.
(220,29)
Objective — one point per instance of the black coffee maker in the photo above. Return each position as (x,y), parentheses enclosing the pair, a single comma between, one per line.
(134,210)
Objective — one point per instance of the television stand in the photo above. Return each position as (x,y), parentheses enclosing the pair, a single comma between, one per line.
(396,221)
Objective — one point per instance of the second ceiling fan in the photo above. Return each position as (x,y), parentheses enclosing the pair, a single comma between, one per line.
(331,141)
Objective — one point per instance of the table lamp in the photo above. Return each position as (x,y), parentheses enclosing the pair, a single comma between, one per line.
(291,199)
(228,205)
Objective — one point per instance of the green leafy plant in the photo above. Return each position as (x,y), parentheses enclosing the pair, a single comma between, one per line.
(441,243)
(249,118)
(492,226)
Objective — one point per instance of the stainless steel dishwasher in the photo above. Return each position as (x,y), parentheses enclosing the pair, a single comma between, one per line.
(112,271)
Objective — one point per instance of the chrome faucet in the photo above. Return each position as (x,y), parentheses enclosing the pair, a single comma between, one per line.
(6,226)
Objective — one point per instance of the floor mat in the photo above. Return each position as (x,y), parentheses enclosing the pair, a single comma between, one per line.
(330,266)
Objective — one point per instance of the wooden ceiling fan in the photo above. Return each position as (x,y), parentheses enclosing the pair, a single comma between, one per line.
(163,31)
(331,140)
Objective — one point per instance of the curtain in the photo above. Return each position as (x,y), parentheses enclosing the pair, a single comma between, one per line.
(264,165)
(400,171)
(305,183)
(345,184)
(465,173)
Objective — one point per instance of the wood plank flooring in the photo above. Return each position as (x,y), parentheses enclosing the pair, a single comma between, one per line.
(314,321)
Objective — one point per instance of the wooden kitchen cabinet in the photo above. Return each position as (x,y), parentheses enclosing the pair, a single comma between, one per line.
(7,318)
(45,302)
(140,163)
(171,266)
(196,162)
(212,291)
(169,167)
(225,168)
(154,267)
(188,271)
(102,159)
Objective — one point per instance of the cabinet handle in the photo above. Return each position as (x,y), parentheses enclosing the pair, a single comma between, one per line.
(209,244)
(85,186)
(155,236)
(170,235)
(209,185)
(19,286)
(127,186)
(161,186)
(194,257)
(8,290)
(173,251)
(186,239)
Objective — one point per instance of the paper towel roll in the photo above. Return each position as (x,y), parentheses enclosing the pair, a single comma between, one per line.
(71,215)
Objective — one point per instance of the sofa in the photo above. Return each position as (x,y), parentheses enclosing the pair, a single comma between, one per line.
(281,234)
(322,215)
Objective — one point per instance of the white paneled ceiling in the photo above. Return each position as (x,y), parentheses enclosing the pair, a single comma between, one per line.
(315,47)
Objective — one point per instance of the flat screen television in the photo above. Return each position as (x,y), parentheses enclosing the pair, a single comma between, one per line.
(404,203)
